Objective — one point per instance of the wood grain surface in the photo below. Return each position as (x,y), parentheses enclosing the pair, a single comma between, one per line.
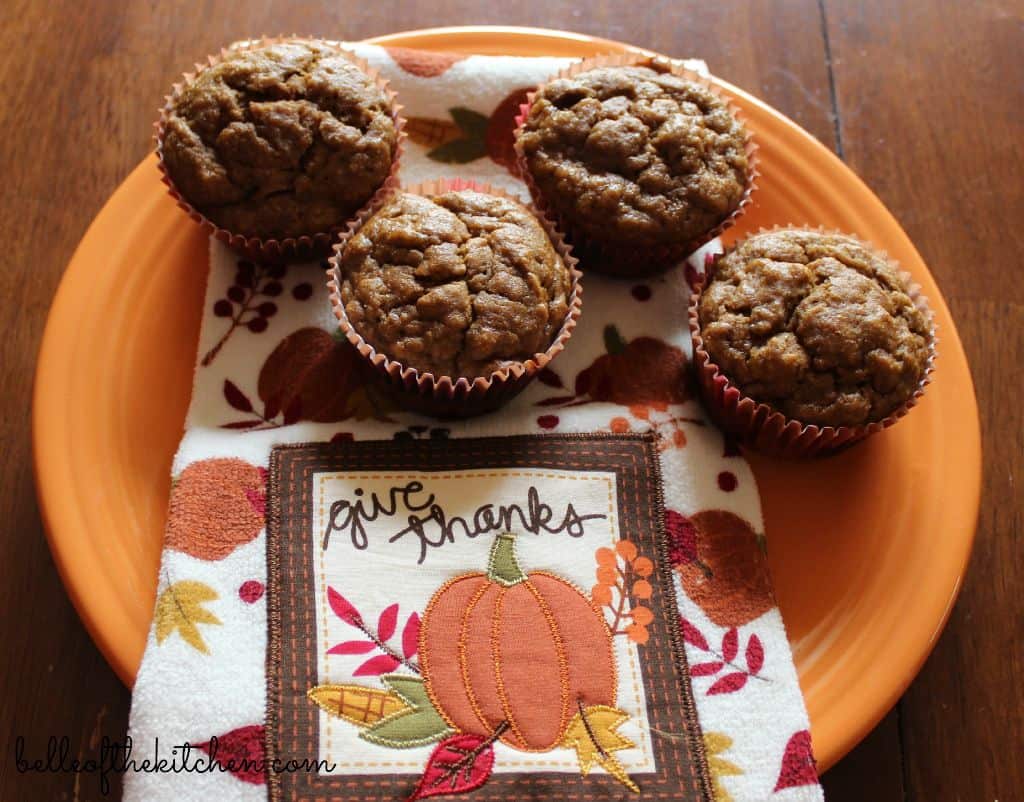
(924,99)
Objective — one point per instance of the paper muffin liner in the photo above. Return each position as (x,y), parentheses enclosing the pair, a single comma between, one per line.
(629,260)
(760,426)
(447,396)
(290,249)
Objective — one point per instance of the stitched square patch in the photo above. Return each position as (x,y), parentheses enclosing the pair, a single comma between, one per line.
(490,617)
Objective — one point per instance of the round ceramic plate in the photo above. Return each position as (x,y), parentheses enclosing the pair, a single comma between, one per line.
(867,549)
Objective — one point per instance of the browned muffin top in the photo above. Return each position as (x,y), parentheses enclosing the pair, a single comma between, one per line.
(815,325)
(460,284)
(635,154)
(280,141)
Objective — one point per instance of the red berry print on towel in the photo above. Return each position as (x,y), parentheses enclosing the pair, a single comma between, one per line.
(420,432)
(216,506)
(721,562)
(240,752)
(248,301)
(310,376)
(500,136)
(423,63)
(641,292)
(727,481)
(547,421)
(560,693)
(251,591)
(798,765)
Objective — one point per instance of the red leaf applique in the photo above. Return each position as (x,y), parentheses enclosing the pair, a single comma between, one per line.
(754,654)
(706,669)
(411,635)
(387,622)
(343,608)
(730,645)
(730,683)
(798,767)
(353,647)
(692,635)
(375,666)
(460,763)
(239,752)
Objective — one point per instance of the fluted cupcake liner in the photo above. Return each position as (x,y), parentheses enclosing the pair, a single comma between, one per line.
(447,396)
(630,260)
(760,426)
(290,249)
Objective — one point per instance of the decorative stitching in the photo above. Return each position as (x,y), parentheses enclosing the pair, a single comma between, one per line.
(563,663)
(463,652)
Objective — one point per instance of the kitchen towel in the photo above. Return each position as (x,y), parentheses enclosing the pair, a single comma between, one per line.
(291,622)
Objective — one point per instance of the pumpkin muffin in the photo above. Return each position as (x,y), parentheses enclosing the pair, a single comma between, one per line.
(459,284)
(816,326)
(634,161)
(280,141)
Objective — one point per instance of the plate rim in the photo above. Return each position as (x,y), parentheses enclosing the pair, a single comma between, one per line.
(461,38)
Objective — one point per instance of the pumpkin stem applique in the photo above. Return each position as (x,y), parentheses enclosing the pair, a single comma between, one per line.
(524,659)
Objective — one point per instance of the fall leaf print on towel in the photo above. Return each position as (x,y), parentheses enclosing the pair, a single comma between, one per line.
(721,562)
(716,743)
(180,609)
(310,376)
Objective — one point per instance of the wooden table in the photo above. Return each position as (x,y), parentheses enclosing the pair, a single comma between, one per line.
(925,100)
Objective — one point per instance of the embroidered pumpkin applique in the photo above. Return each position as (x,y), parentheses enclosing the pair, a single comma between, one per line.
(524,659)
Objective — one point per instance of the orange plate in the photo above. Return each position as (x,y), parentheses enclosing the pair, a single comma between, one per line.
(868,549)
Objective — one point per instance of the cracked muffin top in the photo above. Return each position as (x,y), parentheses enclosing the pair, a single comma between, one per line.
(816,326)
(635,154)
(459,284)
(280,141)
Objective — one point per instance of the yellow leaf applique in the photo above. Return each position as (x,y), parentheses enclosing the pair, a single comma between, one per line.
(357,704)
(180,607)
(592,733)
(715,743)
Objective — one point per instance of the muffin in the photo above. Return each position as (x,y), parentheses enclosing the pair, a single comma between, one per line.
(455,287)
(279,141)
(639,163)
(816,327)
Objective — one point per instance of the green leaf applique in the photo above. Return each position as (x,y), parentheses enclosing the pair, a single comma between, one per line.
(417,725)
